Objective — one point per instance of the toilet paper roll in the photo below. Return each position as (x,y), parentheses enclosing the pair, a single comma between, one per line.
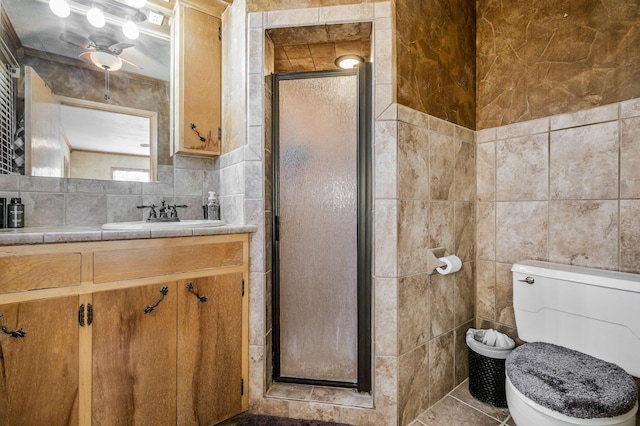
(453,264)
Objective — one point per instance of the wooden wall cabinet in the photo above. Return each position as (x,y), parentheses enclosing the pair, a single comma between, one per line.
(168,346)
(196,92)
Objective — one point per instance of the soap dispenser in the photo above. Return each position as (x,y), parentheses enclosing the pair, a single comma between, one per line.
(213,207)
(15,213)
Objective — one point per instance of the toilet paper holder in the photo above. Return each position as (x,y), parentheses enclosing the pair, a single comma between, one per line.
(433,260)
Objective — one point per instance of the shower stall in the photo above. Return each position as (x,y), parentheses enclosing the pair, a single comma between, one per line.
(322,228)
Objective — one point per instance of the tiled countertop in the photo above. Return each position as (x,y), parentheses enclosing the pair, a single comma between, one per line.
(68,234)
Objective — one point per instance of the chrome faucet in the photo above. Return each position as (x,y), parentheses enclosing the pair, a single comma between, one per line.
(165,213)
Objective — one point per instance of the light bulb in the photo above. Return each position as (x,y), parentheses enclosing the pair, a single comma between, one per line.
(348,61)
(137,3)
(59,8)
(130,30)
(96,17)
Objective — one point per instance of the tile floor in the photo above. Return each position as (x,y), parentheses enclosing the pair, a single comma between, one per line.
(458,408)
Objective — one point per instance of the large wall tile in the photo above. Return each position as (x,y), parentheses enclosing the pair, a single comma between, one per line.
(441,303)
(464,293)
(86,209)
(441,225)
(386,159)
(441,166)
(486,231)
(504,294)
(441,366)
(413,236)
(521,231)
(630,236)
(465,230)
(584,162)
(486,289)
(584,233)
(465,172)
(386,316)
(630,158)
(522,168)
(461,351)
(413,384)
(486,171)
(43,209)
(385,240)
(413,162)
(413,312)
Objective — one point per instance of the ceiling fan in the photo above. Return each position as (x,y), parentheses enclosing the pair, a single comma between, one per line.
(101,51)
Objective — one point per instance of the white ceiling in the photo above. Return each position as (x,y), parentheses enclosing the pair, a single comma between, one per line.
(103,131)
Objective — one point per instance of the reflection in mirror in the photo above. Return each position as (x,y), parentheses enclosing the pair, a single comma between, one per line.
(130,79)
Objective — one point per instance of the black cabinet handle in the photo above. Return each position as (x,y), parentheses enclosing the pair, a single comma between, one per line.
(191,290)
(15,334)
(150,308)
(81,315)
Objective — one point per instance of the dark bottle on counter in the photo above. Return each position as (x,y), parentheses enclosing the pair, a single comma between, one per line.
(3,212)
(15,213)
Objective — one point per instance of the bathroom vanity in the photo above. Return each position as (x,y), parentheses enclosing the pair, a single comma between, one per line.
(143,331)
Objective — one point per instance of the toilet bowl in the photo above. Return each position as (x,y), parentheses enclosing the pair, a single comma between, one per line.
(549,384)
(585,339)
(525,412)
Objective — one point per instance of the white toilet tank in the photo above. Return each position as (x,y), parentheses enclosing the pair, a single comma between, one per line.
(589,310)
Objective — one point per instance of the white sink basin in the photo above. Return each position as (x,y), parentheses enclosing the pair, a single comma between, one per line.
(132,226)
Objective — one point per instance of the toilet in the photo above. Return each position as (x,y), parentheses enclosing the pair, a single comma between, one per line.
(583,330)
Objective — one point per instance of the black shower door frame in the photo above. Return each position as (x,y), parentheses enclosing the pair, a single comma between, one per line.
(364,227)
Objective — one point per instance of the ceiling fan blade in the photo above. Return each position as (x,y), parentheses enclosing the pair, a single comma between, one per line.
(77,40)
(130,63)
(119,47)
(86,56)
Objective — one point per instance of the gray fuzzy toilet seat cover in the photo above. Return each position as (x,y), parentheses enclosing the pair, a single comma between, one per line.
(571,382)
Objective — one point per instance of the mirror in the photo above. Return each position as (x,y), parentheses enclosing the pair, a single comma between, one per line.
(109,93)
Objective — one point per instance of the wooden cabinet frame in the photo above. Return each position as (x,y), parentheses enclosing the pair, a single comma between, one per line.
(227,261)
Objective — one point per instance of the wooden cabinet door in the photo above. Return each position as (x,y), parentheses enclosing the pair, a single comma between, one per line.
(39,369)
(134,356)
(209,349)
(198,89)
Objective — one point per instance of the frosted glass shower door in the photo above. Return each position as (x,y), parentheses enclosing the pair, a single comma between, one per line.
(317,207)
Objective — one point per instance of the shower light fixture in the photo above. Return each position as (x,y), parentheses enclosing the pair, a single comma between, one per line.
(60,8)
(349,61)
(96,17)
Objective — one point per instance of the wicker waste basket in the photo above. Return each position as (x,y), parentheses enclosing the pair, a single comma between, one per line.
(486,367)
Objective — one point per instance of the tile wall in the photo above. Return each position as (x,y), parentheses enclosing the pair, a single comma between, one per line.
(562,189)
(428,189)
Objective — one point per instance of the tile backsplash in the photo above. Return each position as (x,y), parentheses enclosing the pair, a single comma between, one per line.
(86,202)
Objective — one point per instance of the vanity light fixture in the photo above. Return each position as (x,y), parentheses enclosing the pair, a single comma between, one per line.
(130,30)
(347,62)
(60,8)
(95,16)
(137,3)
